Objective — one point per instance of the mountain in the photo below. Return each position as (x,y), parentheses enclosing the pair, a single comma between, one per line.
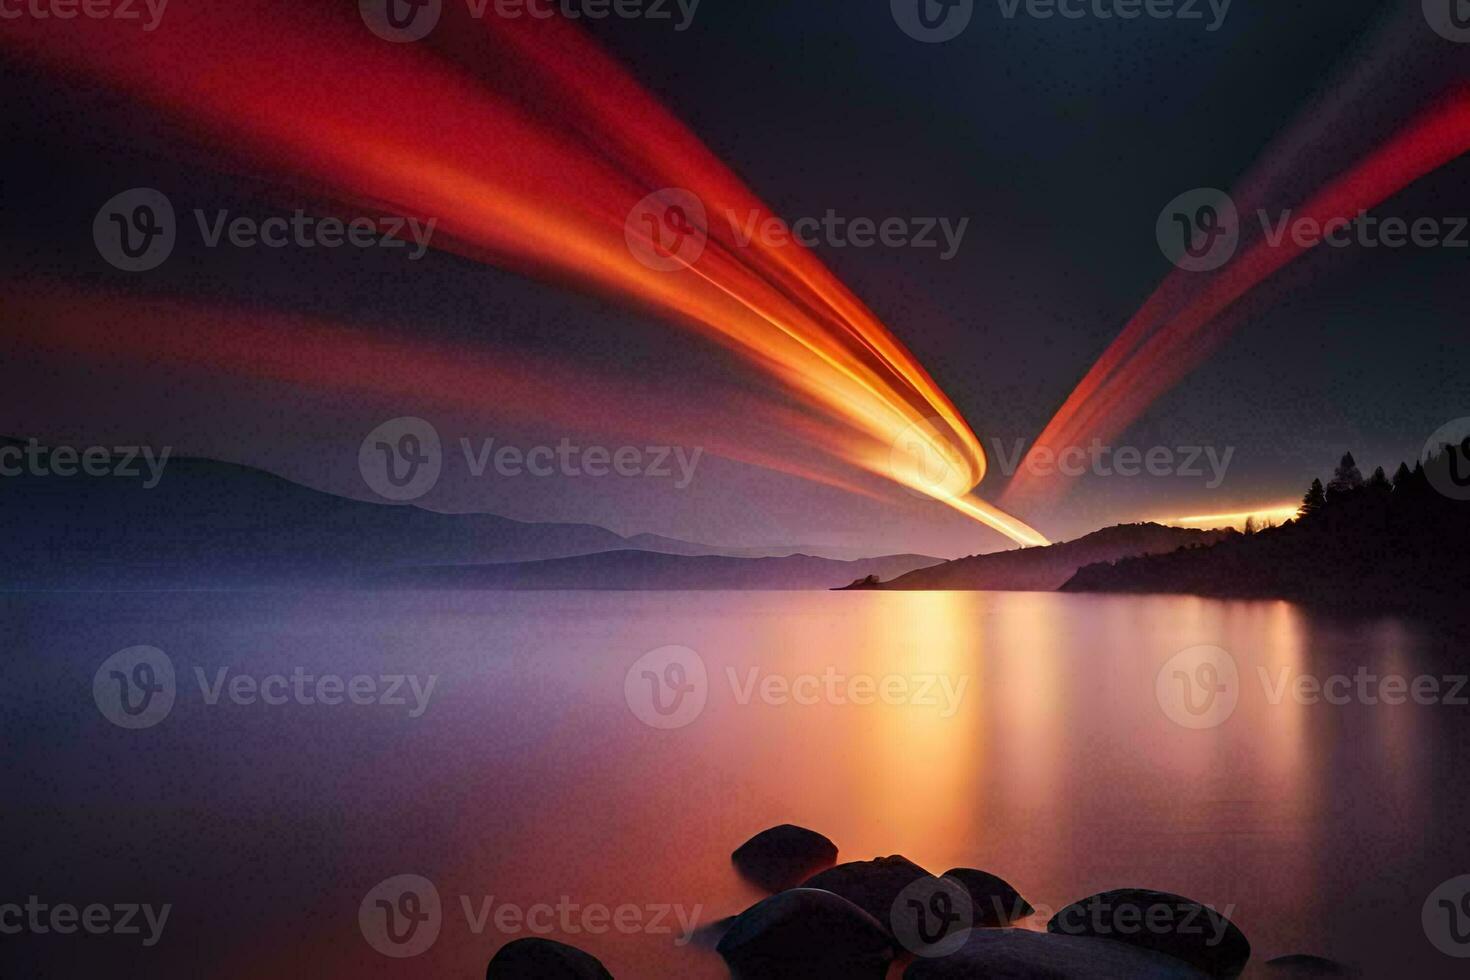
(642,570)
(225,524)
(1045,569)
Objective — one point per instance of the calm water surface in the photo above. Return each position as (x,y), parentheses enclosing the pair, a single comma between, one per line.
(1039,751)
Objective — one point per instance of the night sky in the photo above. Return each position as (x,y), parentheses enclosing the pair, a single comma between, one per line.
(1060,141)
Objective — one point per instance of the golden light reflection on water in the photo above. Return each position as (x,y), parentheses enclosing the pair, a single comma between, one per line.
(914,768)
(1283,655)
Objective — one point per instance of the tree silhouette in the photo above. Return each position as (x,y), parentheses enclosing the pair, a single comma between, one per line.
(1314,501)
(1347,479)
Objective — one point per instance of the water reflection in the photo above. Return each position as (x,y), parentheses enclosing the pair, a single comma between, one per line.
(531,779)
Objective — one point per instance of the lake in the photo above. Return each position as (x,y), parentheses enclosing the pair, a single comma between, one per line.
(580,765)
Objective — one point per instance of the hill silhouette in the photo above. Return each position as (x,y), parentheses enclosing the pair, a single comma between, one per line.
(205,523)
(1045,569)
(1395,544)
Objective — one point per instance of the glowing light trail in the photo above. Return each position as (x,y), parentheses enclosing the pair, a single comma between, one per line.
(531,148)
(1179,326)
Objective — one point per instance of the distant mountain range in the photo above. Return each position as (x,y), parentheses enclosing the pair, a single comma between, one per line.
(219,525)
(647,570)
(1048,568)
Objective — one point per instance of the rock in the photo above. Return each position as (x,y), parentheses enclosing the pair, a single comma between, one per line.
(783,857)
(1161,922)
(995,902)
(543,959)
(806,934)
(1019,954)
(708,936)
(1303,965)
(872,886)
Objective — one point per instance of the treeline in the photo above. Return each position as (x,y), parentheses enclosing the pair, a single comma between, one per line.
(1376,543)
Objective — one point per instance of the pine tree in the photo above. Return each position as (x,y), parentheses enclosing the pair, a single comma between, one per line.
(1378,482)
(1401,476)
(1346,479)
(1314,501)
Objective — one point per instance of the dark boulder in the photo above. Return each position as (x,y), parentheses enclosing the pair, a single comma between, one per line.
(806,934)
(994,901)
(872,886)
(1303,965)
(1162,922)
(544,959)
(1019,954)
(783,857)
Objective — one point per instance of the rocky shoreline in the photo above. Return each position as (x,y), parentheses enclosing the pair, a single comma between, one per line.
(854,921)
